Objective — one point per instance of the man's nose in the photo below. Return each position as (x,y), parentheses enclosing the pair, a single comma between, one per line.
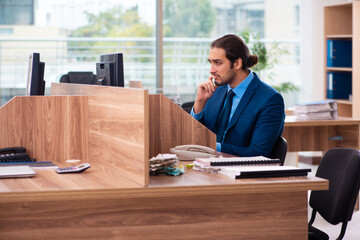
(212,69)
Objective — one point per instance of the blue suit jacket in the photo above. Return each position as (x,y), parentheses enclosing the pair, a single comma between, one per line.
(256,124)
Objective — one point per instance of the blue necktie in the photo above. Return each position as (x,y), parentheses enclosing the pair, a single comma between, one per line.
(224,117)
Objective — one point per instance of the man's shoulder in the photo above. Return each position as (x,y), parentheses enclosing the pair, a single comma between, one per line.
(263,87)
(266,93)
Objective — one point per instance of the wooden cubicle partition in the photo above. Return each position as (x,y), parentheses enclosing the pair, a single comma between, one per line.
(172,126)
(169,125)
(50,128)
(127,126)
(118,127)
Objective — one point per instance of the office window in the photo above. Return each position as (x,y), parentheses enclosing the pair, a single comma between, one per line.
(6,31)
(71,35)
(17,12)
(186,43)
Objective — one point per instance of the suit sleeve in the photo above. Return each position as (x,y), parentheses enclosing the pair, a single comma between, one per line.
(268,127)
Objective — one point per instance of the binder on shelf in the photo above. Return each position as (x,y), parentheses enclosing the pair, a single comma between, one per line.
(339,85)
(239,172)
(235,161)
(339,53)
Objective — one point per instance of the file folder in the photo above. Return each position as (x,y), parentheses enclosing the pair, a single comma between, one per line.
(339,85)
(339,53)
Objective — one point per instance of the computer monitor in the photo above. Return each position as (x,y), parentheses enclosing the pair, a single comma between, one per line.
(35,82)
(110,70)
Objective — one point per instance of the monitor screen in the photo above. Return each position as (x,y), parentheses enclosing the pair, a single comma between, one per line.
(110,70)
(35,82)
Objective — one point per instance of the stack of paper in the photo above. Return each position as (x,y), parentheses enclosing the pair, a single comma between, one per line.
(321,110)
(214,165)
(165,164)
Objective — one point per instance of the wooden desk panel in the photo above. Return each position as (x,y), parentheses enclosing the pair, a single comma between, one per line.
(195,205)
(321,135)
(235,216)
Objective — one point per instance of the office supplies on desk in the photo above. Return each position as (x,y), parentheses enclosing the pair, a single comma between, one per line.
(190,152)
(225,161)
(239,172)
(165,164)
(16,172)
(32,164)
(78,169)
(17,156)
(14,154)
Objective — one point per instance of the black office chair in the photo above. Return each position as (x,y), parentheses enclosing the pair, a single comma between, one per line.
(187,106)
(79,77)
(279,150)
(341,166)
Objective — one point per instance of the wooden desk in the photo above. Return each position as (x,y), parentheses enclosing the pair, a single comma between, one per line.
(98,204)
(115,198)
(321,135)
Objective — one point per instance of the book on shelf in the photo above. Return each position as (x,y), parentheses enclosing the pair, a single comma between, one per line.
(226,161)
(239,172)
(339,53)
(339,85)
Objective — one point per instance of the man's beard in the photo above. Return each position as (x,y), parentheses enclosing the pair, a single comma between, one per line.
(227,79)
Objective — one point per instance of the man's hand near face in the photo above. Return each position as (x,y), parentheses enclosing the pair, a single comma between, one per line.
(204,92)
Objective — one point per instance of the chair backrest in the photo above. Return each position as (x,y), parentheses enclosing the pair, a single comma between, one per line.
(341,166)
(79,77)
(187,106)
(279,150)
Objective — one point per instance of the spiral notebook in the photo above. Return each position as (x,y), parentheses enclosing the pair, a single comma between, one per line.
(239,172)
(226,161)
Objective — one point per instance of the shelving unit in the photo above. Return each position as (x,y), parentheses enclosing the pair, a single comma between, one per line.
(342,21)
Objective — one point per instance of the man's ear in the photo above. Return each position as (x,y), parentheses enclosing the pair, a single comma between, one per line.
(238,64)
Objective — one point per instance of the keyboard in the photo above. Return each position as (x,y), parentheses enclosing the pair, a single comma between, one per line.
(32,164)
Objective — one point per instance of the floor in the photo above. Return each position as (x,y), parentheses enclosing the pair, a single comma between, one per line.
(353,228)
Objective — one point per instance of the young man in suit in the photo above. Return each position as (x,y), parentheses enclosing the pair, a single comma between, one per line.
(250,120)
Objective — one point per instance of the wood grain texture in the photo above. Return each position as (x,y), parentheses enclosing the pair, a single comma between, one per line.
(345,110)
(172,126)
(314,135)
(118,127)
(236,216)
(51,128)
(101,179)
(195,205)
(338,19)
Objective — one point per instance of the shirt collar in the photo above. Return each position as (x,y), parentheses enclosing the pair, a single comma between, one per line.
(241,88)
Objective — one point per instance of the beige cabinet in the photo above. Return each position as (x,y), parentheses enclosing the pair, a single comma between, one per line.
(342,22)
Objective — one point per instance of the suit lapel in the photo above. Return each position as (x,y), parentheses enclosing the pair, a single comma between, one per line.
(217,105)
(249,93)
